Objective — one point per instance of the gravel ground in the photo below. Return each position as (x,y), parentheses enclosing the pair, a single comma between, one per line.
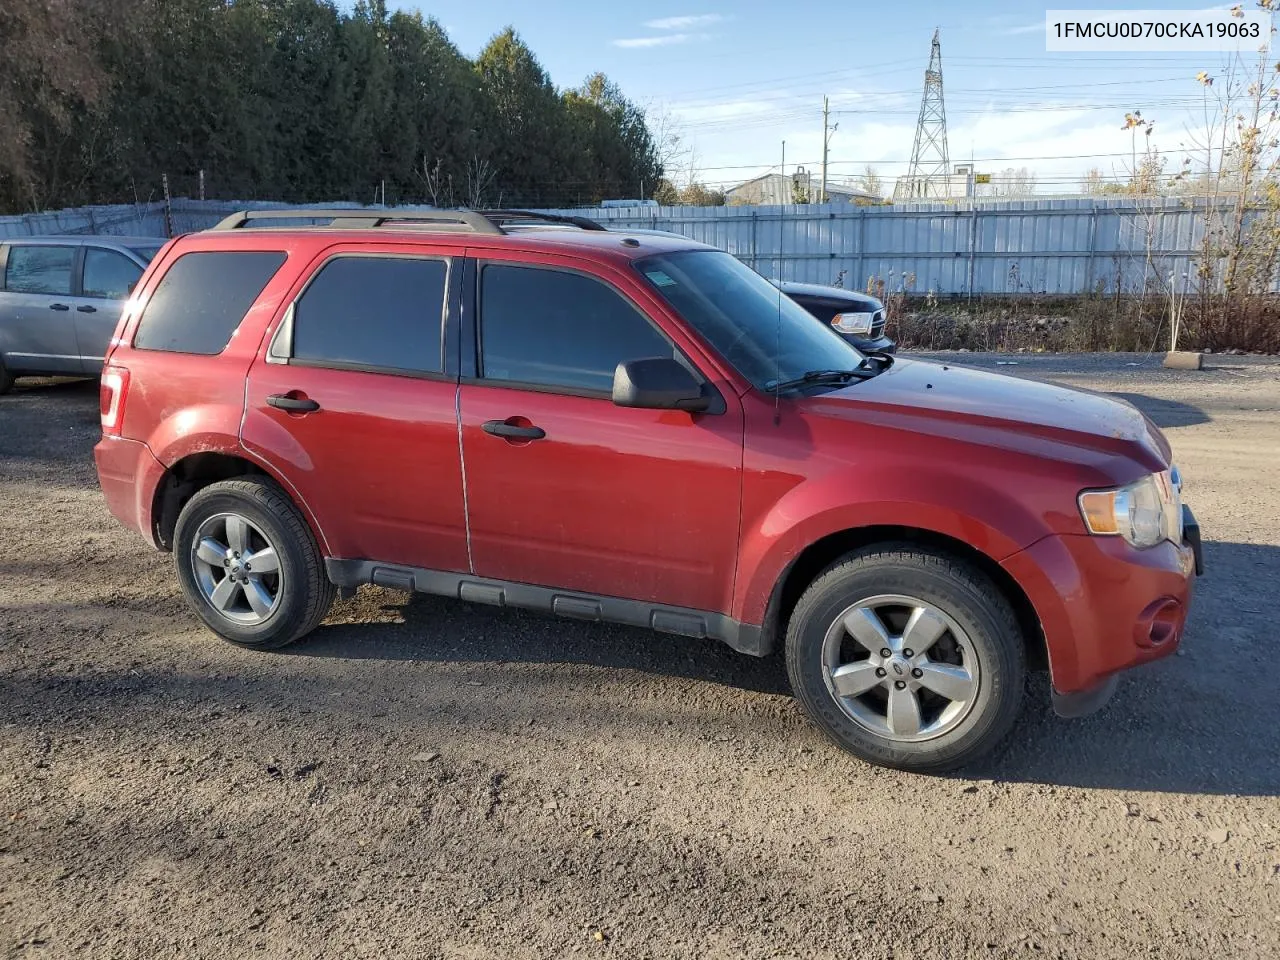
(428,779)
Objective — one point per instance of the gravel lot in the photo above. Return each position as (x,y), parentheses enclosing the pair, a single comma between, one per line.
(428,779)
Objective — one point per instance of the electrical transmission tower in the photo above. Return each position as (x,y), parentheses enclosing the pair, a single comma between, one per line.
(929,175)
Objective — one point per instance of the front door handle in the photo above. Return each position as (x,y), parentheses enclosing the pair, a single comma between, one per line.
(283,401)
(58,306)
(87,309)
(501,428)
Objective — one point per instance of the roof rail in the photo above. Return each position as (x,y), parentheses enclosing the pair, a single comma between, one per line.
(532,218)
(490,222)
(454,220)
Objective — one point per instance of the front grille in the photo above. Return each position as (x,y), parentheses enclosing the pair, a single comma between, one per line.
(877,325)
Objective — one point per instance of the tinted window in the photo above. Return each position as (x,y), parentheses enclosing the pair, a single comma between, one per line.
(39,269)
(373,311)
(147,253)
(559,329)
(767,336)
(202,299)
(108,274)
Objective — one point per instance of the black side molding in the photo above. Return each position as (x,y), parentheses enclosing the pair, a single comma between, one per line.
(1191,534)
(743,637)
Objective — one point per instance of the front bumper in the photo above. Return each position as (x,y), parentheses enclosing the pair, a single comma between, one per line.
(1105,606)
(871,345)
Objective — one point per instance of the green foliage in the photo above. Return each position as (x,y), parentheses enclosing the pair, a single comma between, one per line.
(306,100)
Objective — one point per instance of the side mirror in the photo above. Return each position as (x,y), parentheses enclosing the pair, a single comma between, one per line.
(659,383)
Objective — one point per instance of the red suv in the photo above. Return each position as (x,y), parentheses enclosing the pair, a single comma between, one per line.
(537,412)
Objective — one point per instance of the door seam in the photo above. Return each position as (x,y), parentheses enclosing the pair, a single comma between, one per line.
(462,464)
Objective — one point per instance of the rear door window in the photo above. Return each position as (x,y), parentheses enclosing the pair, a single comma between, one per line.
(378,313)
(202,298)
(108,275)
(39,268)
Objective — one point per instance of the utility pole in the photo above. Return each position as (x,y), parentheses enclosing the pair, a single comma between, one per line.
(826,113)
(826,143)
(782,190)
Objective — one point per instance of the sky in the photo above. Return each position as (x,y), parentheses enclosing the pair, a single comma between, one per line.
(737,79)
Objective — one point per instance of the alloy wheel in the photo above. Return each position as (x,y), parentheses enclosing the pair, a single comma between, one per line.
(237,568)
(901,668)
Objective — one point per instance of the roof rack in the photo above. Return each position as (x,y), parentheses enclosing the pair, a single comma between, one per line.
(530,218)
(492,222)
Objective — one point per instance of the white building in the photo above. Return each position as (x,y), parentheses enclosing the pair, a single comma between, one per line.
(772,189)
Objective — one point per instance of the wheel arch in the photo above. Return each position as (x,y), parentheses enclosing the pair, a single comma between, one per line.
(190,474)
(817,556)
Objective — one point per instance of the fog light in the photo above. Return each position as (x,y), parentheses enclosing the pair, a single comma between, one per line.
(1159,623)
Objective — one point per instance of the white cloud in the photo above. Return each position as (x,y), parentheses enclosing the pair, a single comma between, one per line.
(723,110)
(685,22)
(664,40)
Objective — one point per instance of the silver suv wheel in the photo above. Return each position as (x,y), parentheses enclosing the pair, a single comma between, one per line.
(901,668)
(237,569)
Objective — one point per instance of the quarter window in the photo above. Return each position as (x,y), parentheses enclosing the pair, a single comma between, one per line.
(559,329)
(202,298)
(108,275)
(39,268)
(373,312)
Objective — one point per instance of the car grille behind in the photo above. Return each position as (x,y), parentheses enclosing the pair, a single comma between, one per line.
(877,325)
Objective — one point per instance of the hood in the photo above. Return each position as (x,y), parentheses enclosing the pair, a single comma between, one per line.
(838,296)
(999,410)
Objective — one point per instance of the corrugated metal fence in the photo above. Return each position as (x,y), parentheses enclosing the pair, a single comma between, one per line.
(1063,246)
(1066,246)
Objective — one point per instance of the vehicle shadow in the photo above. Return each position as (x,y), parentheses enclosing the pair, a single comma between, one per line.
(1166,413)
(1206,721)
(450,631)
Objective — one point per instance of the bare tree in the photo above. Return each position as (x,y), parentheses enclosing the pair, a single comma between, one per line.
(668,138)
(1014,182)
(1237,169)
(438,186)
(480,175)
(870,181)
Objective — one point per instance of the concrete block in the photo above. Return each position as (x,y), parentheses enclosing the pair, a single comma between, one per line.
(1183,360)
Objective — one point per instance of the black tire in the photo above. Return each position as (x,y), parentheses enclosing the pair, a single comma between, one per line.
(305,592)
(6,379)
(954,587)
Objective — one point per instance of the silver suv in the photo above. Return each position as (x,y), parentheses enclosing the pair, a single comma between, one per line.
(60,298)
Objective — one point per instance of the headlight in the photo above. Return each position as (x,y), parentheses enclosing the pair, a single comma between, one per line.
(1144,513)
(853,322)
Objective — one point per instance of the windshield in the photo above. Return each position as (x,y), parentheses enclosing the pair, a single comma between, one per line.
(147,253)
(767,336)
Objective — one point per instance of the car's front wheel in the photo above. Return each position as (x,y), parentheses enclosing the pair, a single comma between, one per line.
(907,658)
(6,378)
(249,565)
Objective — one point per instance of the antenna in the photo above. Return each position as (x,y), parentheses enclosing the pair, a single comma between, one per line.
(928,175)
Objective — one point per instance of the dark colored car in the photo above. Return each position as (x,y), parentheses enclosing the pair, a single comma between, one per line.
(858,317)
(534,412)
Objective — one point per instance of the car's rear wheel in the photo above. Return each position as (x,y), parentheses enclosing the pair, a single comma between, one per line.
(249,565)
(6,378)
(907,658)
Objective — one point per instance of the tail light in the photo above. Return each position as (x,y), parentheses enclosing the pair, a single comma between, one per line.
(111,395)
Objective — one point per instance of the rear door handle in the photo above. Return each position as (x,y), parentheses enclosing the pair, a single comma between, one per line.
(500,428)
(58,306)
(283,401)
(87,309)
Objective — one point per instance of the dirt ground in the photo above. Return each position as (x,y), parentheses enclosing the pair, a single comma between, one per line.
(428,779)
